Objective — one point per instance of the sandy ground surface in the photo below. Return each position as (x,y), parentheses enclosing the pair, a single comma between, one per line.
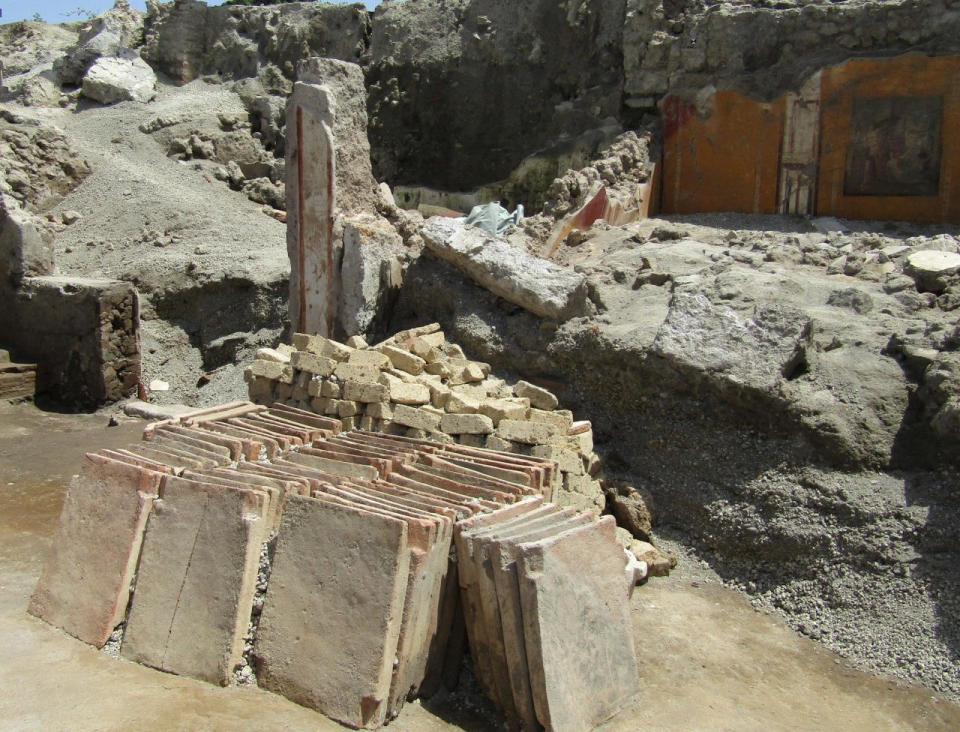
(708,660)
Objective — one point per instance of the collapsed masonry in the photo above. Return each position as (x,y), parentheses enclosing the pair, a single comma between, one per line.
(365,538)
(417,384)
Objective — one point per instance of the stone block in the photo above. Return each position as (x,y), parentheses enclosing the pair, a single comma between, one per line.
(562,419)
(196,579)
(379,410)
(371,269)
(574,499)
(434,340)
(261,390)
(366,392)
(416,417)
(423,349)
(411,394)
(404,360)
(332,563)
(271,354)
(312,363)
(118,78)
(347,408)
(272,370)
(537,285)
(439,394)
(476,440)
(500,409)
(577,685)
(458,403)
(538,396)
(353,372)
(658,563)
(85,583)
(439,368)
(374,359)
(469,373)
(466,424)
(568,461)
(528,433)
(321,346)
(331,390)
(583,441)
(320,405)
(495,442)
(301,393)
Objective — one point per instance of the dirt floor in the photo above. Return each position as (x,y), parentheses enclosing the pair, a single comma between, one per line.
(709,661)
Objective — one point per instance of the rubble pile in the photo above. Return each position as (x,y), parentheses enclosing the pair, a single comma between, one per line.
(368,537)
(417,384)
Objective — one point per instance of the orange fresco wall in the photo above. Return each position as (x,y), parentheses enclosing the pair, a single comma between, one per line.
(912,76)
(726,161)
(729,158)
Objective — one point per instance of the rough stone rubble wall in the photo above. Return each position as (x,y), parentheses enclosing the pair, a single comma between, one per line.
(686,47)
(459,93)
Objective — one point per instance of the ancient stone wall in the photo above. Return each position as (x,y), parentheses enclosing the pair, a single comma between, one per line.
(83,334)
(186,39)
(763,51)
(460,92)
(861,140)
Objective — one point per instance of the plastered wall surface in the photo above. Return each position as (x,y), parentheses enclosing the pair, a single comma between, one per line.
(721,157)
(905,145)
(867,139)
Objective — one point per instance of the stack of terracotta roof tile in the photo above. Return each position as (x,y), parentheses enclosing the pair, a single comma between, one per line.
(546,605)
(362,609)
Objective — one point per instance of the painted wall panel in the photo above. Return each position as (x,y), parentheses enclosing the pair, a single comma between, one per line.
(867,139)
(887,149)
(724,158)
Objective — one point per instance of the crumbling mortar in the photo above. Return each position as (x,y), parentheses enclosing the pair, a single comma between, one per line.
(245,672)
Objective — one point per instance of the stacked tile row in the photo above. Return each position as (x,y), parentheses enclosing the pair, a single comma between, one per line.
(551,642)
(418,384)
(363,600)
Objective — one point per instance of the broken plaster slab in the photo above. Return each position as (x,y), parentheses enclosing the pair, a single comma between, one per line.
(542,287)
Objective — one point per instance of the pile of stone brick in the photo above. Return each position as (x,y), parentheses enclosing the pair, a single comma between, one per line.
(332,560)
(17,380)
(418,384)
